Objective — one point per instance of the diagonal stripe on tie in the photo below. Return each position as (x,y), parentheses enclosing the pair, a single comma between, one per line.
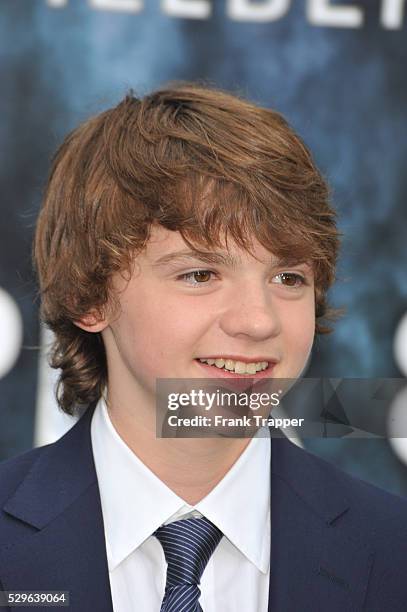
(188,545)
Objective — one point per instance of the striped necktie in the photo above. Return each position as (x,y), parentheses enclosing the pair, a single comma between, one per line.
(188,545)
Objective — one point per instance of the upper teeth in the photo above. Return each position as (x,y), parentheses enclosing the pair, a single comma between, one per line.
(239,367)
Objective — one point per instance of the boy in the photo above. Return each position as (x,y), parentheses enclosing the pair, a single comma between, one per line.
(188,235)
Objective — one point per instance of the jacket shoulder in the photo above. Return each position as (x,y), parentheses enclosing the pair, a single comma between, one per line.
(14,470)
(358,489)
(381,515)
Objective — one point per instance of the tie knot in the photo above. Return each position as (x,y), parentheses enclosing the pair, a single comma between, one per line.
(188,545)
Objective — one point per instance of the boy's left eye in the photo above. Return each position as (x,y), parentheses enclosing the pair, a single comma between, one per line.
(290,279)
(200,277)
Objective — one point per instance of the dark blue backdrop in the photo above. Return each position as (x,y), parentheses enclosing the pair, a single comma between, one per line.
(336,72)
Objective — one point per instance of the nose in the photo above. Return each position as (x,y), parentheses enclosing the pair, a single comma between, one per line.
(251,312)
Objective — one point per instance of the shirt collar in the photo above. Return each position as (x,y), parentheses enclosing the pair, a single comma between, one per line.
(134,497)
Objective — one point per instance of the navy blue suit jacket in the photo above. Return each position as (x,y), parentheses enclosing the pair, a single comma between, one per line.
(337,544)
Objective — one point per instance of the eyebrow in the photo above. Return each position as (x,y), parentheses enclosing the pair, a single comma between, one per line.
(210,257)
(215,257)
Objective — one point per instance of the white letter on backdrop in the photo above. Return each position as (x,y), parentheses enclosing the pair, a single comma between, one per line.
(243,10)
(322,13)
(191,9)
(11,332)
(57,3)
(392,14)
(126,6)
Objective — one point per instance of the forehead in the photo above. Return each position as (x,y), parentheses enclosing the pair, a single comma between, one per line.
(164,245)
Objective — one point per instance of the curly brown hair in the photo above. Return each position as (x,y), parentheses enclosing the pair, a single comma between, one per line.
(189,158)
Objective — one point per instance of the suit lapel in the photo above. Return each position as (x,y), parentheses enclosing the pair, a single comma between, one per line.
(63,545)
(318,559)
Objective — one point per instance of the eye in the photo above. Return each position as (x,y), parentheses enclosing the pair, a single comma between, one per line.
(198,277)
(293,280)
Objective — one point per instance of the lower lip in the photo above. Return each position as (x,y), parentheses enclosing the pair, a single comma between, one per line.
(214,372)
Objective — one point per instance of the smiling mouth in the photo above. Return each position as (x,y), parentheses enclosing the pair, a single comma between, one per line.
(236,367)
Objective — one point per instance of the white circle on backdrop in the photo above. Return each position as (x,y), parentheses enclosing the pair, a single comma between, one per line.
(400,345)
(11,332)
(397,425)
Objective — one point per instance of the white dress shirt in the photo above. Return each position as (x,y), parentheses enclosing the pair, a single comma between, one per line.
(135,502)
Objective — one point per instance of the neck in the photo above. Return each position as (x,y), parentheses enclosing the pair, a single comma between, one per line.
(191,467)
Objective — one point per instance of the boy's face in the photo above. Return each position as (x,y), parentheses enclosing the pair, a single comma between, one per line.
(170,316)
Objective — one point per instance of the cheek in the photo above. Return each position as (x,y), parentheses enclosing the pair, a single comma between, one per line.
(299,326)
(137,335)
(158,331)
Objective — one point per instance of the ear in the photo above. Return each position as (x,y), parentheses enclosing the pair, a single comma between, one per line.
(92,322)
